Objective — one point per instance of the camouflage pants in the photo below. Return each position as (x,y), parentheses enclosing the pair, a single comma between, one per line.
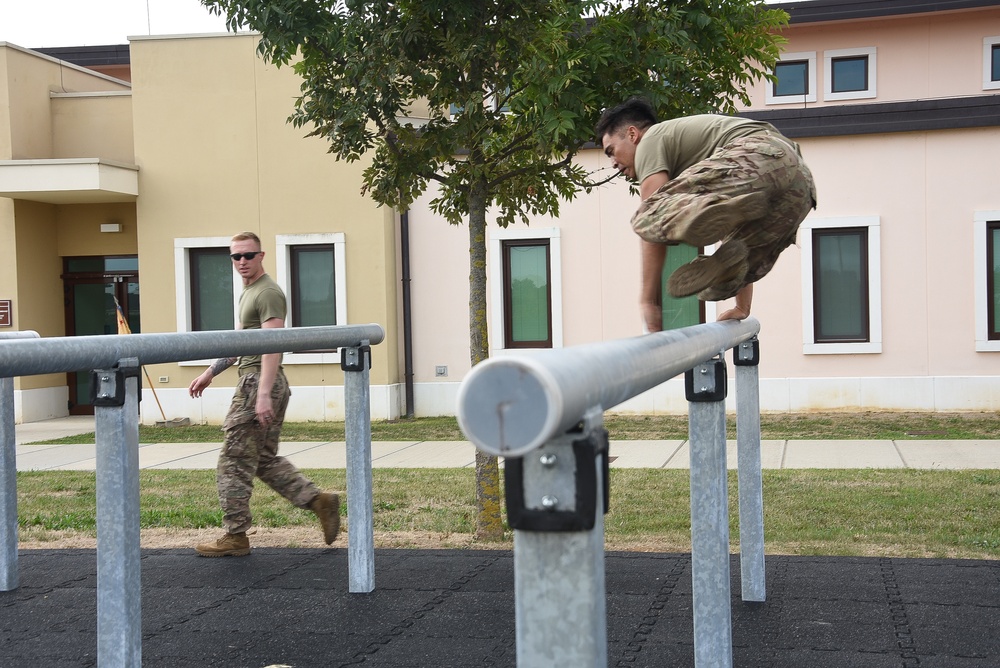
(763,164)
(250,450)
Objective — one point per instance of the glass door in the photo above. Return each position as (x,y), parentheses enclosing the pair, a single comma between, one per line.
(92,285)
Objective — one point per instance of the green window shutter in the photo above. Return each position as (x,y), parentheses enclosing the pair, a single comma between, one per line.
(313,286)
(686,311)
(527,300)
(792,78)
(840,285)
(849,74)
(211,289)
(993,288)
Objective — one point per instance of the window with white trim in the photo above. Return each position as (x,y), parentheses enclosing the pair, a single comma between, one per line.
(849,74)
(986,266)
(841,285)
(310,269)
(206,287)
(525,288)
(991,63)
(795,81)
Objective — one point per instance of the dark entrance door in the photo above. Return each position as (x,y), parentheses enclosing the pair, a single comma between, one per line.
(91,285)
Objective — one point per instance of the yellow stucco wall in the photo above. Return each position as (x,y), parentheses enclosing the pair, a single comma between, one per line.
(29,80)
(93,125)
(36,123)
(39,302)
(78,230)
(216,157)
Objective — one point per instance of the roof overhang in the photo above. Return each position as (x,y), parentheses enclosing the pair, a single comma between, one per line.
(976,111)
(814,11)
(69,181)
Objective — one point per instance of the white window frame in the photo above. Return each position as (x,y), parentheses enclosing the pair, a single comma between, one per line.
(874,345)
(282,270)
(810,96)
(988,44)
(981,273)
(828,57)
(495,263)
(182,283)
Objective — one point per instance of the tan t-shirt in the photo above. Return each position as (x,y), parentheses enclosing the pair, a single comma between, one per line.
(673,146)
(259,302)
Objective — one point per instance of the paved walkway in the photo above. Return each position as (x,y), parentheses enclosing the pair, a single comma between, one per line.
(775,454)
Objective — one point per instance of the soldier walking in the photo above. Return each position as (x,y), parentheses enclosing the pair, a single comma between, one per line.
(253,424)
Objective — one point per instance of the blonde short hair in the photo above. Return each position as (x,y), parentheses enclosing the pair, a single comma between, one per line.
(246,236)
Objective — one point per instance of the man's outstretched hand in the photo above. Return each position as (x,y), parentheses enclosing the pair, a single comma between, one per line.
(733,314)
(741,311)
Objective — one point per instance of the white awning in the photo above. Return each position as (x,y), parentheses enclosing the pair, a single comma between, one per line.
(69,181)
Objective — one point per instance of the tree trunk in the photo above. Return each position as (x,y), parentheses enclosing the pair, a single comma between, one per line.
(488,523)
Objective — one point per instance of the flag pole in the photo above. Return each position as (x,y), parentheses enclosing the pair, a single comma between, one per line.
(123,328)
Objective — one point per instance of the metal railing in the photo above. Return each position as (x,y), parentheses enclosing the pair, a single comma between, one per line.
(543,411)
(116,361)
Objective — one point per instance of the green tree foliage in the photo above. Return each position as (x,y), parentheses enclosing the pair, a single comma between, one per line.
(529,78)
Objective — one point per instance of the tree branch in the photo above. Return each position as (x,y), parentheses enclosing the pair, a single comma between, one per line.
(533,167)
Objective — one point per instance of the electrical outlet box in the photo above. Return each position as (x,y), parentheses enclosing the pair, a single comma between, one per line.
(164,379)
(441,371)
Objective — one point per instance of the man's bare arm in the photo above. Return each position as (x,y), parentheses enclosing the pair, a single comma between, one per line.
(653,256)
(269,364)
(221,364)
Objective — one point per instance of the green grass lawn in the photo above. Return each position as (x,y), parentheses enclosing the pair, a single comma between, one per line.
(906,513)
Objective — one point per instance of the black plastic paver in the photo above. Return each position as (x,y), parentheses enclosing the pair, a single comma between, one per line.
(440,608)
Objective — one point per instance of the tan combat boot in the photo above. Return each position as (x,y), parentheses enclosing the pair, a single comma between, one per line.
(326,505)
(230,545)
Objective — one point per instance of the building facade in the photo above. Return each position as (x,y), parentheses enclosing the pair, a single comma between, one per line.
(129,188)
(129,192)
(888,300)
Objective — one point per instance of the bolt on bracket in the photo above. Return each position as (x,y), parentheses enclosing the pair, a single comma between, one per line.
(107,387)
(706,381)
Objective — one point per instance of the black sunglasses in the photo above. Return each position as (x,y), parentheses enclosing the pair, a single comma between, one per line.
(238,256)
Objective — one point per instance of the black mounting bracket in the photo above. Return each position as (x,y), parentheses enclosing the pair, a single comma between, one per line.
(747,353)
(354,359)
(107,386)
(706,381)
(552,515)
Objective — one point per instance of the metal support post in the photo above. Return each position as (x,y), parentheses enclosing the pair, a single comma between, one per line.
(119,630)
(746,358)
(713,630)
(356,363)
(8,488)
(8,476)
(556,500)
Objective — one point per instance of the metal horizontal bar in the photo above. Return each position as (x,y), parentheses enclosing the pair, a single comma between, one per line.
(73,353)
(26,334)
(513,404)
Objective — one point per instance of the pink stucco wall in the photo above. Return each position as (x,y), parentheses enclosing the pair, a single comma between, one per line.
(924,188)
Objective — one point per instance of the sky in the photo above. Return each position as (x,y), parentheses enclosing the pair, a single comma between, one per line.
(48,23)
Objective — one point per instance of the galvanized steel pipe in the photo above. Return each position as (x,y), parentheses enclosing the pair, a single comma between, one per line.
(71,353)
(513,404)
(8,476)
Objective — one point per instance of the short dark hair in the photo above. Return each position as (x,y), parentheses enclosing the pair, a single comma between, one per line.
(635,111)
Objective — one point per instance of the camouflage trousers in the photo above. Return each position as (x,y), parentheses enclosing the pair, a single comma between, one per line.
(759,181)
(250,450)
